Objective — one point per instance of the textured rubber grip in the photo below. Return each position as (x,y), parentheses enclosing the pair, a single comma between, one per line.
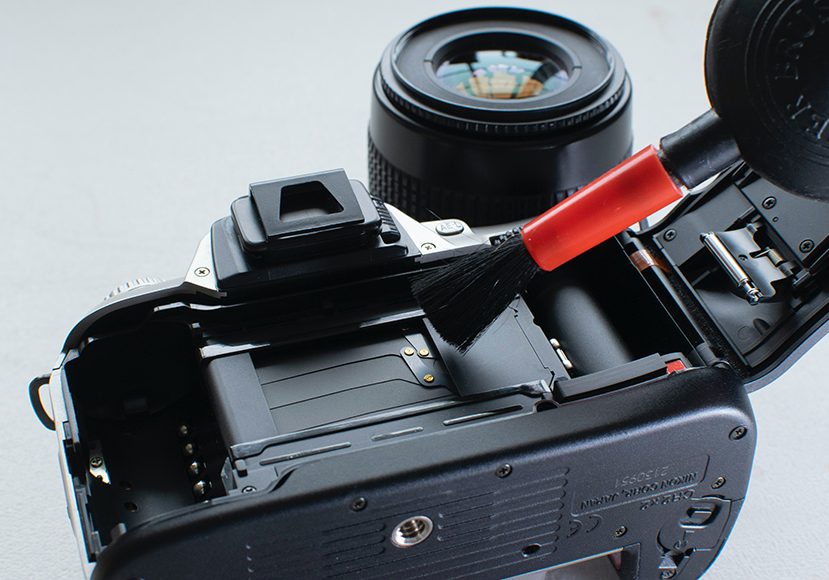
(623,196)
(426,201)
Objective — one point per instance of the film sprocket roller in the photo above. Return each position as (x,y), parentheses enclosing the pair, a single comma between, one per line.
(287,411)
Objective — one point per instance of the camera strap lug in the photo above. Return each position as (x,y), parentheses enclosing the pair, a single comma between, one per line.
(42,414)
(757,271)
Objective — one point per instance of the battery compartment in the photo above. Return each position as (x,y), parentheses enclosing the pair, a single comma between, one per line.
(602,312)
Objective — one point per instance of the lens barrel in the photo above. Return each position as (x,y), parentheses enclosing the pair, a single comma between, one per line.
(493,115)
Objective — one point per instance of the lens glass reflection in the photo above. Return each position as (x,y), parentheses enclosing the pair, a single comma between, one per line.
(502,74)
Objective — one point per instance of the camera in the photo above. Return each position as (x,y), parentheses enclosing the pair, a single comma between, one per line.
(286,410)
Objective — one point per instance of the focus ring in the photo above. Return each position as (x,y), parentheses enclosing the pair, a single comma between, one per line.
(423,202)
(500,129)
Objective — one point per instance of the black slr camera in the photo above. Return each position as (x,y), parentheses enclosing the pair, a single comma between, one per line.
(286,410)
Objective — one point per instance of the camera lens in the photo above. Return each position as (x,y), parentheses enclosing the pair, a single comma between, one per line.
(493,115)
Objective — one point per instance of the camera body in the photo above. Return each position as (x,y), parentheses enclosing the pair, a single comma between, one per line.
(285,410)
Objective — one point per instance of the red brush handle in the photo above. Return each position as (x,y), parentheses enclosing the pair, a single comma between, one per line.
(626,194)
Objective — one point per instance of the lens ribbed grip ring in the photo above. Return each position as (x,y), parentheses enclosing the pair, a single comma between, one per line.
(425,202)
(483,128)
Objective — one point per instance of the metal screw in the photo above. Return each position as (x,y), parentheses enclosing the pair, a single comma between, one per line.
(428,378)
(201,272)
(718,483)
(408,351)
(195,468)
(183,431)
(620,531)
(423,352)
(504,470)
(669,235)
(189,449)
(668,573)
(248,489)
(807,246)
(200,488)
(359,504)
(428,247)
(96,461)
(769,202)
(738,433)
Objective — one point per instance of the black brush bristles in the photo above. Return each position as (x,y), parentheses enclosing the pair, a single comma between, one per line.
(464,298)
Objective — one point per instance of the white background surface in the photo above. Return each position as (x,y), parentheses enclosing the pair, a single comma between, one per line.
(126,128)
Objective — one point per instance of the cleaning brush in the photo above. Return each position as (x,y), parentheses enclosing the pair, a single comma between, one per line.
(463,298)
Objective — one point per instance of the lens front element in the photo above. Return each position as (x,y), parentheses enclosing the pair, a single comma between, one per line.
(502,74)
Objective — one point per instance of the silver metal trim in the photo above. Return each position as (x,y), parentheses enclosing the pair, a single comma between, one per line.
(431,244)
(60,416)
(202,271)
(412,531)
